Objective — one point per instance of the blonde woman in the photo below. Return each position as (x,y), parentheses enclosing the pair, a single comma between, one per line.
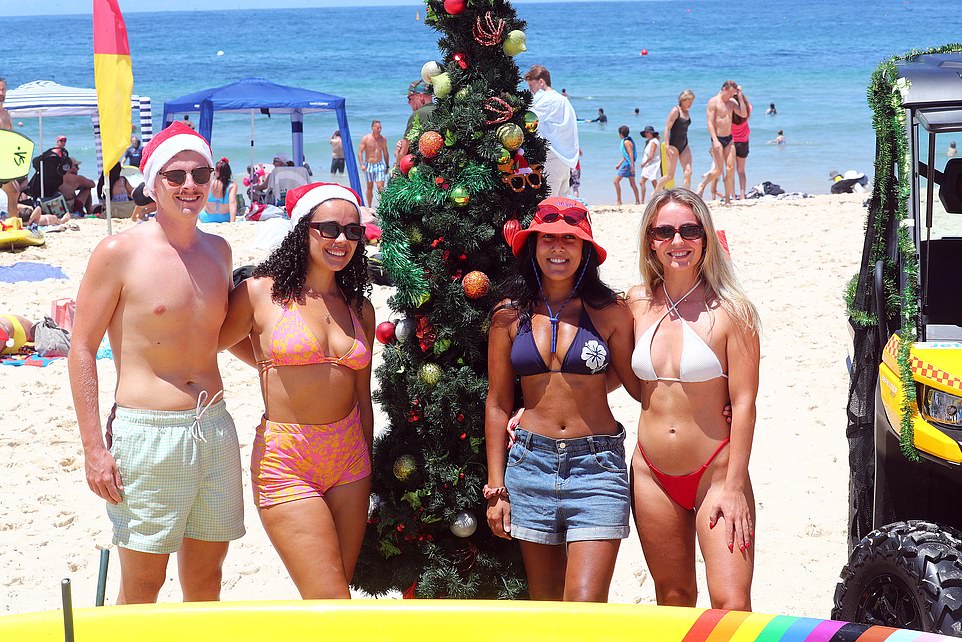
(676,140)
(697,346)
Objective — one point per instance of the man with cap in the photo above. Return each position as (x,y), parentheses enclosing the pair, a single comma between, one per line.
(169,468)
(76,188)
(421,102)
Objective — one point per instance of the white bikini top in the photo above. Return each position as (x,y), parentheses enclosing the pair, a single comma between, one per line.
(698,360)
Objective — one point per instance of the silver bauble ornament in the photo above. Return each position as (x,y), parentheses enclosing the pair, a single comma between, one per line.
(464,524)
(404,330)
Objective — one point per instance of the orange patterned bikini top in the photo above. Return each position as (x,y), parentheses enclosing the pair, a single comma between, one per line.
(293,344)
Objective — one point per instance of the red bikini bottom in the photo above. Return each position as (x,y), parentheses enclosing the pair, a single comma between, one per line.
(682,488)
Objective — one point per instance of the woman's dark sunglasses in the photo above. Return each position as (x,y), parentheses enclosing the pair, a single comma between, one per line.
(688,231)
(571,217)
(333,229)
(178,177)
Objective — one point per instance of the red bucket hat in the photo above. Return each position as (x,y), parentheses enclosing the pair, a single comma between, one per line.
(559,215)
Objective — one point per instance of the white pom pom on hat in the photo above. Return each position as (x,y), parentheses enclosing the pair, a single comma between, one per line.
(173,139)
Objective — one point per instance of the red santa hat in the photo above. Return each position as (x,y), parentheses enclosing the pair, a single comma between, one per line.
(302,200)
(175,138)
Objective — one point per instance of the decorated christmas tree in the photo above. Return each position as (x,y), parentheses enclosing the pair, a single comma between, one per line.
(472,179)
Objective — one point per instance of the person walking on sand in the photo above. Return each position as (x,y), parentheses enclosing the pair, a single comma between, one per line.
(676,139)
(373,156)
(558,124)
(169,465)
(721,106)
(626,167)
(696,347)
(651,161)
(310,326)
(740,134)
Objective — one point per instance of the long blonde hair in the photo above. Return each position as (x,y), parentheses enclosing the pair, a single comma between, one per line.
(715,266)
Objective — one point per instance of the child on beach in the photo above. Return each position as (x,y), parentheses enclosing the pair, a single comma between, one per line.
(651,161)
(626,167)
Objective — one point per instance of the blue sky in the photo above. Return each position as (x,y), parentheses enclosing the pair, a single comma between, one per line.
(47,7)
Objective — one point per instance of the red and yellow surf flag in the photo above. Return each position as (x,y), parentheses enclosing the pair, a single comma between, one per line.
(114,78)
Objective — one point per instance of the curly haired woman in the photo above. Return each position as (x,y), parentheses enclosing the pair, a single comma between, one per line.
(311,328)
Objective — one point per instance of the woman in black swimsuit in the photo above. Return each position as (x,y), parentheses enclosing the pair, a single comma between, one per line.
(676,134)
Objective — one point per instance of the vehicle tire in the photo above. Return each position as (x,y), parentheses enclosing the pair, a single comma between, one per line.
(904,575)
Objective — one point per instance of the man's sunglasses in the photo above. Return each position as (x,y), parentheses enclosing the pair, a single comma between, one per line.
(178,177)
(688,231)
(333,229)
(571,217)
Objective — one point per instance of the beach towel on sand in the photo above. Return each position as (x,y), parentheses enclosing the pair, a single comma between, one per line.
(30,271)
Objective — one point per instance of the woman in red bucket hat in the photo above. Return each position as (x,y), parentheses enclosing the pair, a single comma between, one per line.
(562,487)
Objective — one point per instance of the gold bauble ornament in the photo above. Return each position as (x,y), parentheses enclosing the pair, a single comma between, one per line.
(511,136)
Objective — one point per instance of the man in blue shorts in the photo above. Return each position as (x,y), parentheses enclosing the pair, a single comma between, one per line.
(169,465)
(372,153)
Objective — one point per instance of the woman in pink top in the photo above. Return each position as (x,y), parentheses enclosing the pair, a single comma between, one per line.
(310,329)
(740,132)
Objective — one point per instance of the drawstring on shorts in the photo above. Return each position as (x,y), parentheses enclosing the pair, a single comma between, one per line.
(203,405)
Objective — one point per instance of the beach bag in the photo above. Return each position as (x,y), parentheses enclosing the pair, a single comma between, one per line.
(50,340)
(62,311)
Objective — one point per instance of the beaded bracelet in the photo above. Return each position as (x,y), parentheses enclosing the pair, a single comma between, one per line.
(490,493)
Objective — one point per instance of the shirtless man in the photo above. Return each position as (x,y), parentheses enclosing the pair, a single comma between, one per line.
(372,153)
(720,108)
(170,469)
(76,189)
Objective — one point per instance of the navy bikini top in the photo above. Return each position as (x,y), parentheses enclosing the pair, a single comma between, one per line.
(587,354)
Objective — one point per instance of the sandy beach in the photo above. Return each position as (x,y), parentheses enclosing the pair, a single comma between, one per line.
(794,258)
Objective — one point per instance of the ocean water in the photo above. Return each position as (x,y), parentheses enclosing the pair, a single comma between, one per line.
(812,58)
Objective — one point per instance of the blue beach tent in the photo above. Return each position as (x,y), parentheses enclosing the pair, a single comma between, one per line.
(256,95)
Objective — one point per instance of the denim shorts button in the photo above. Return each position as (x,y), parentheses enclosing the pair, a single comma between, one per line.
(561,445)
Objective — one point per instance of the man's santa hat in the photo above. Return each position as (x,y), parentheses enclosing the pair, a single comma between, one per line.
(302,200)
(172,140)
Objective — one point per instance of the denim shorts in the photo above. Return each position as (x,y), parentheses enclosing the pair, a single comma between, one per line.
(568,490)
(626,170)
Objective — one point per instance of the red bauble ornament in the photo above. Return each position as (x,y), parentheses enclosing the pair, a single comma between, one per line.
(430,144)
(455,7)
(511,227)
(406,163)
(385,332)
(462,59)
(476,285)
(644,52)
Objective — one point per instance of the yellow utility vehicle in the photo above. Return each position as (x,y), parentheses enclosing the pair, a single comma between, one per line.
(905,402)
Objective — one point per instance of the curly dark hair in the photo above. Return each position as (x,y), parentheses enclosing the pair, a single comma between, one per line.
(522,291)
(287,265)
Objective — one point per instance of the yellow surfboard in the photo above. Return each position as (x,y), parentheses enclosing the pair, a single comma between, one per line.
(664,166)
(464,621)
(16,151)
